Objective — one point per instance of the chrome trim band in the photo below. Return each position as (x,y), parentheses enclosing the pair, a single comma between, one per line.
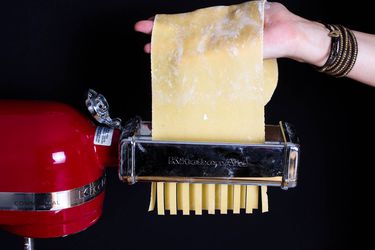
(18,201)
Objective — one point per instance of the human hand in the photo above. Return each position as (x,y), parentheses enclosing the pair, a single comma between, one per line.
(145,26)
(291,36)
(285,35)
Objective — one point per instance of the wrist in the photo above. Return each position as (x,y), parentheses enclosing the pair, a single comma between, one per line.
(312,43)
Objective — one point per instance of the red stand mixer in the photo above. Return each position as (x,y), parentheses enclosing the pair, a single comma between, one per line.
(53,166)
(53,159)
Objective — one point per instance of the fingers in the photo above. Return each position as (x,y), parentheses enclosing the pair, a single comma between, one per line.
(147,48)
(267,5)
(267,11)
(144,26)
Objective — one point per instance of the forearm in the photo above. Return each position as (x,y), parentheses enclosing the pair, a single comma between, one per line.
(364,68)
(314,45)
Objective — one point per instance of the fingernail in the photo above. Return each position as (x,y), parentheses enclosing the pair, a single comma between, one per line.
(267,5)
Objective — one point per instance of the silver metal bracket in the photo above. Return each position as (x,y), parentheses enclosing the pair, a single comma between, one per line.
(98,107)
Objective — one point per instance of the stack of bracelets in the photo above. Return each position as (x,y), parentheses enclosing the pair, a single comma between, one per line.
(343,53)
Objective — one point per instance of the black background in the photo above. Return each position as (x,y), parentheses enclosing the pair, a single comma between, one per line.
(55,50)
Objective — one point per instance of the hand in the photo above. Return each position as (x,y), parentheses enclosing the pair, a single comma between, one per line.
(279,31)
(145,26)
(285,35)
(291,36)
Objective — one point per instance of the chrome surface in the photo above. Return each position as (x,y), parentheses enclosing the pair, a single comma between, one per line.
(272,163)
(51,201)
(98,107)
(28,243)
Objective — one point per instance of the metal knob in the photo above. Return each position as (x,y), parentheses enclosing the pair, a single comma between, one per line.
(98,107)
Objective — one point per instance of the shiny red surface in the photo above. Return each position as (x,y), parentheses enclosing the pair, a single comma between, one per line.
(48,147)
(53,224)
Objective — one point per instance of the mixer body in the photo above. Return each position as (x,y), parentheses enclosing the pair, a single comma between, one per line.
(52,171)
